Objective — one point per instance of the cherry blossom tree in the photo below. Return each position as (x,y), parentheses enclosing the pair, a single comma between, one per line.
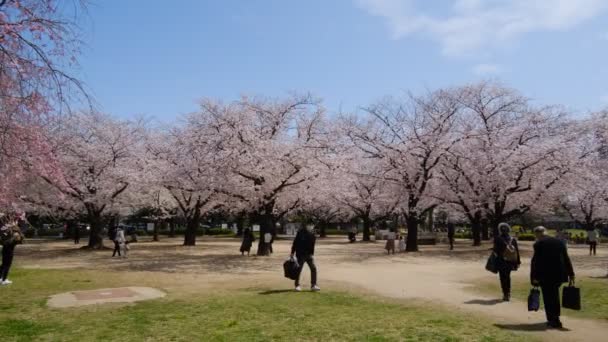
(359,185)
(408,137)
(583,194)
(38,47)
(509,155)
(272,148)
(99,158)
(185,166)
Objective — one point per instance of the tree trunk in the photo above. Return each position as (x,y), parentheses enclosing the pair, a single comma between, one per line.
(322,230)
(411,244)
(192,226)
(266,226)
(240,223)
(485,230)
(172,229)
(367,225)
(95,236)
(476,231)
(494,225)
(431,220)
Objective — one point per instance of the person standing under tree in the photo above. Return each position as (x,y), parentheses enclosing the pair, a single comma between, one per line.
(112,236)
(248,240)
(451,233)
(508,258)
(550,268)
(303,248)
(390,241)
(593,236)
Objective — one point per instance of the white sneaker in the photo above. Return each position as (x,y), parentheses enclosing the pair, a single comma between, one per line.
(7,282)
(315,288)
(298,289)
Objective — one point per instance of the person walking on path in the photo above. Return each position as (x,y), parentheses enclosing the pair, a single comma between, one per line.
(390,241)
(112,232)
(550,268)
(75,230)
(593,236)
(8,248)
(402,245)
(508,258)
(303,248)
(248,240)
(451,233)
(121,241)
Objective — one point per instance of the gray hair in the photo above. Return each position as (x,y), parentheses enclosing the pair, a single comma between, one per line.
(504,227)
(540,230)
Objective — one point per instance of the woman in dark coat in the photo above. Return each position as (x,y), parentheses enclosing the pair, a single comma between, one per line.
(248,240)
(505,247)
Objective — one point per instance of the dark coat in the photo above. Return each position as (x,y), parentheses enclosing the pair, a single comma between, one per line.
(451,230)
(248,240)
(500,245)
(304,243)
(550,263)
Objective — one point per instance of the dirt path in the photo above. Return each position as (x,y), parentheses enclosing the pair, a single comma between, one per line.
(433,275)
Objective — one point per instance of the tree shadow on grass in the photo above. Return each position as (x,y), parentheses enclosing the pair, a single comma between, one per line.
(484,301)
(527,327)
(273,292)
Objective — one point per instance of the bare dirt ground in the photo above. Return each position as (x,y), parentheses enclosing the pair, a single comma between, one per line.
(434,275)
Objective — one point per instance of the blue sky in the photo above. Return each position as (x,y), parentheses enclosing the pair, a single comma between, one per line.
(158,58)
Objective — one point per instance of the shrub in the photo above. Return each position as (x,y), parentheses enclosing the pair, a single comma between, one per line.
(219,231)
(464,235)
(526,237)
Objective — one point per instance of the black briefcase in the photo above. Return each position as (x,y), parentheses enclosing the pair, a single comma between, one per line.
(571,297)
(534,299)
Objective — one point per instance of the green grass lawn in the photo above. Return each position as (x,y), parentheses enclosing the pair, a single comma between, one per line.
(594,295)
(243,315)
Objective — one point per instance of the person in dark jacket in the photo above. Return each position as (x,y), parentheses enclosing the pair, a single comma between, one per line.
(508,260)
(112,236)
(451,233)
(550,268)
(303,248)
(248,240)
(8,249)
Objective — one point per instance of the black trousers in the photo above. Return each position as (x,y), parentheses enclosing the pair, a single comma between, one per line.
(551,300)
(116,248)
(451,242)
(310,260)
(592,247)
(505,280)
(8,252)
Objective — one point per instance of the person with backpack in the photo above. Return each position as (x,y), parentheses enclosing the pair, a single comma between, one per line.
(10,237)
(508,258)
(303,248)
(550,268)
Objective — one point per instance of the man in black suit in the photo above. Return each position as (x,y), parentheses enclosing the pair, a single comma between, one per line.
(551,267)
(304,249)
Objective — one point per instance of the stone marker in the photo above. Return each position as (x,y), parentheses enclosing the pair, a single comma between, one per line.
(103,296)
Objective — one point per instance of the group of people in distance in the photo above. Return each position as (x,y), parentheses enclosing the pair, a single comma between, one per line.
(550,267)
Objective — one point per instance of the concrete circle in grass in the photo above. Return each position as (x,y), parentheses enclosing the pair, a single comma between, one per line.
(103,296)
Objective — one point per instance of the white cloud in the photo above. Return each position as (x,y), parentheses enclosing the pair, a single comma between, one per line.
(485,69)
(473,25)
